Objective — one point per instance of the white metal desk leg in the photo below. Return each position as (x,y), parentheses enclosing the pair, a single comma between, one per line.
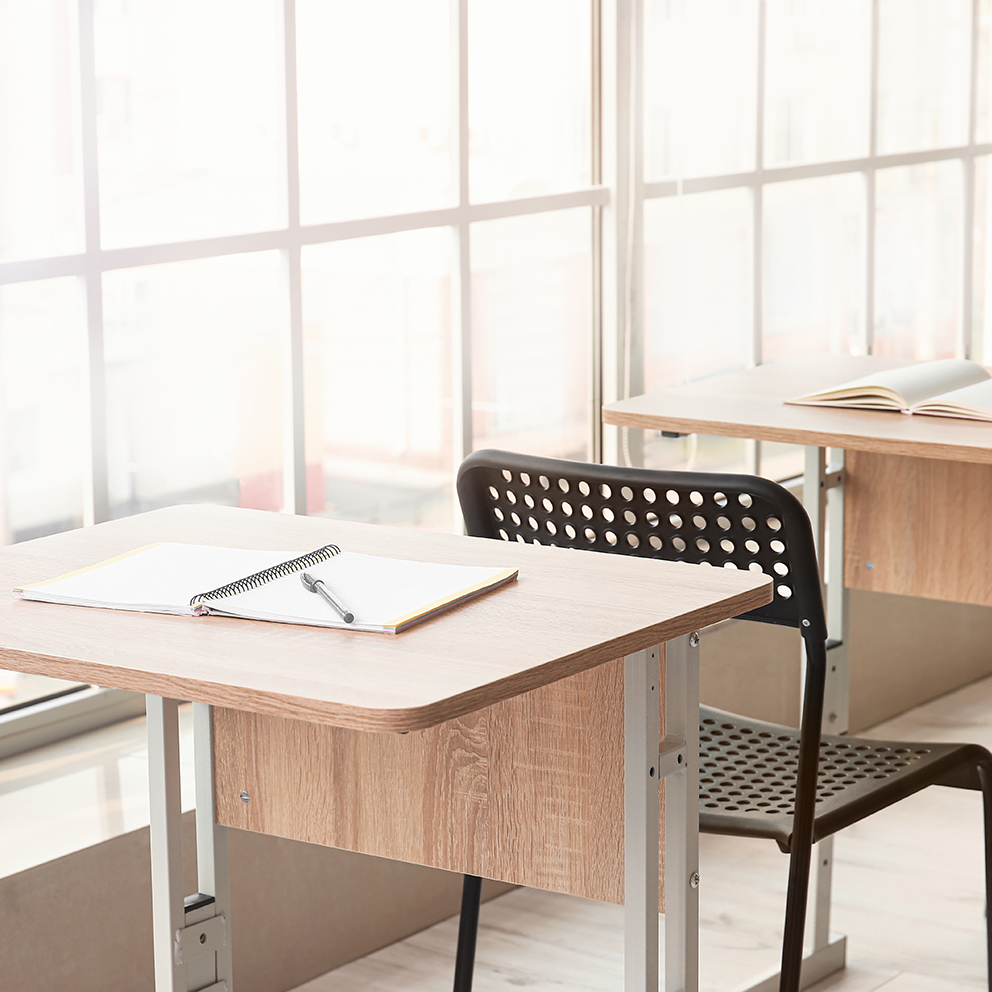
(640,823)
(682,817)
(165,809)
(211,906)
(823,497)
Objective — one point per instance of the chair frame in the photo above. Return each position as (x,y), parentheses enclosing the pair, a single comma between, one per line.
(484,472)
(722,520)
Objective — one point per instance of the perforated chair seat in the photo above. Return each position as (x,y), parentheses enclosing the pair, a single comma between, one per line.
(747,776)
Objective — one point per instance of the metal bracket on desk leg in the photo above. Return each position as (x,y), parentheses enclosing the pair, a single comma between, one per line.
(640,823)
(682,818)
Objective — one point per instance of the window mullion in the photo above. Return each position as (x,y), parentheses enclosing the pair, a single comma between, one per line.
(965,345)
(619,175)
(96,507)
(596,233)
(868,331)
(294,421)
(461,296)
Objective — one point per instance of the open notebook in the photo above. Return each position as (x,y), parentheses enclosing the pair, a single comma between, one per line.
(383,594)
(947,387)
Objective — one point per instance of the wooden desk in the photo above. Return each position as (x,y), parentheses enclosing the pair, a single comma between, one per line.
(916,488)
(911,517)
(513,708)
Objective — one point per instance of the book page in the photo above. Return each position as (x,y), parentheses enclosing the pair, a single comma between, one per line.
(973,402)
(383,593)
(902,387)
(159,578)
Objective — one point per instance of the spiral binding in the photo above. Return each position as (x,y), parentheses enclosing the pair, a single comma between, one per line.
(268,574)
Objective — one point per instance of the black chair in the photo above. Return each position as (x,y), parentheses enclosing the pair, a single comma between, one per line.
(756,779)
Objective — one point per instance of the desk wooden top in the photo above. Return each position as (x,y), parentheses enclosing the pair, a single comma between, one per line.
(568,611)
(750,404)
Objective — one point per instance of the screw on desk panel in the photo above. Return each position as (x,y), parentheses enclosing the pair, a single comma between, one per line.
(694,639)
(869,564)
(245,797)
(805,623)
(203,938)
(694,880)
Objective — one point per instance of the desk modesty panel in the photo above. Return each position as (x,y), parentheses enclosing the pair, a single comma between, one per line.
(528,791)
(567,612)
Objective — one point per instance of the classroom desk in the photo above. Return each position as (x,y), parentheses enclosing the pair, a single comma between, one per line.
(901,473)
(515,737)
(903,509)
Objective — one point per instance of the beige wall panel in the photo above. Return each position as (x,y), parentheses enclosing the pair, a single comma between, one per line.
(924,524)
(528,791)
(83,922)
(752,669)
(903,652)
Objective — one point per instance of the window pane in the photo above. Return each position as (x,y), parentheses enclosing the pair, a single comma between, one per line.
(981,335)
(700,86)
(529,87)
(194,383)
(983,109)
(42,436)
(918,260)
(374,83)
(694,453)
(16,688)
(697,286)
(923,57)
(39,117)
(817,83)
(698,305)
(814,266)
(531,333)
(190,139)
(376,315)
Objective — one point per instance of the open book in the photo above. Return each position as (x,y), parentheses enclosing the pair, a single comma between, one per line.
(949,387)
(381,594)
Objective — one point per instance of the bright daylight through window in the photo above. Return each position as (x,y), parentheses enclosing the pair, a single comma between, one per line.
(309,256)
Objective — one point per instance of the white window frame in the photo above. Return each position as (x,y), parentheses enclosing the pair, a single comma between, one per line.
(616,195)
(621,444)
(93,261)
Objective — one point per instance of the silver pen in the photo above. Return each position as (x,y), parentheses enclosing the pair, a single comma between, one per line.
(317,585)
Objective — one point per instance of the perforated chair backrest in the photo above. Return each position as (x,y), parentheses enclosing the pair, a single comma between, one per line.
(727,521)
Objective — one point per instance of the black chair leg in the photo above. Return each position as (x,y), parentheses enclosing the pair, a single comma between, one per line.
(985,777)
(468,930)
(801,849)
(795,919)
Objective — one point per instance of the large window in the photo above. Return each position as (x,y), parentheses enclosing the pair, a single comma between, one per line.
(289,254)
(307,254)
(815,180)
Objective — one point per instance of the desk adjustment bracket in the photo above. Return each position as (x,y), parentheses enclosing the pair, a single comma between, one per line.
(833,477)
(672,755)
(195,941)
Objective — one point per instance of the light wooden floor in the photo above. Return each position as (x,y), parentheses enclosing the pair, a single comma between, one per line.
(908,892)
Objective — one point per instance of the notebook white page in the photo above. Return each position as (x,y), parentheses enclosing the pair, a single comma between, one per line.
(383,593)
(158,578)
